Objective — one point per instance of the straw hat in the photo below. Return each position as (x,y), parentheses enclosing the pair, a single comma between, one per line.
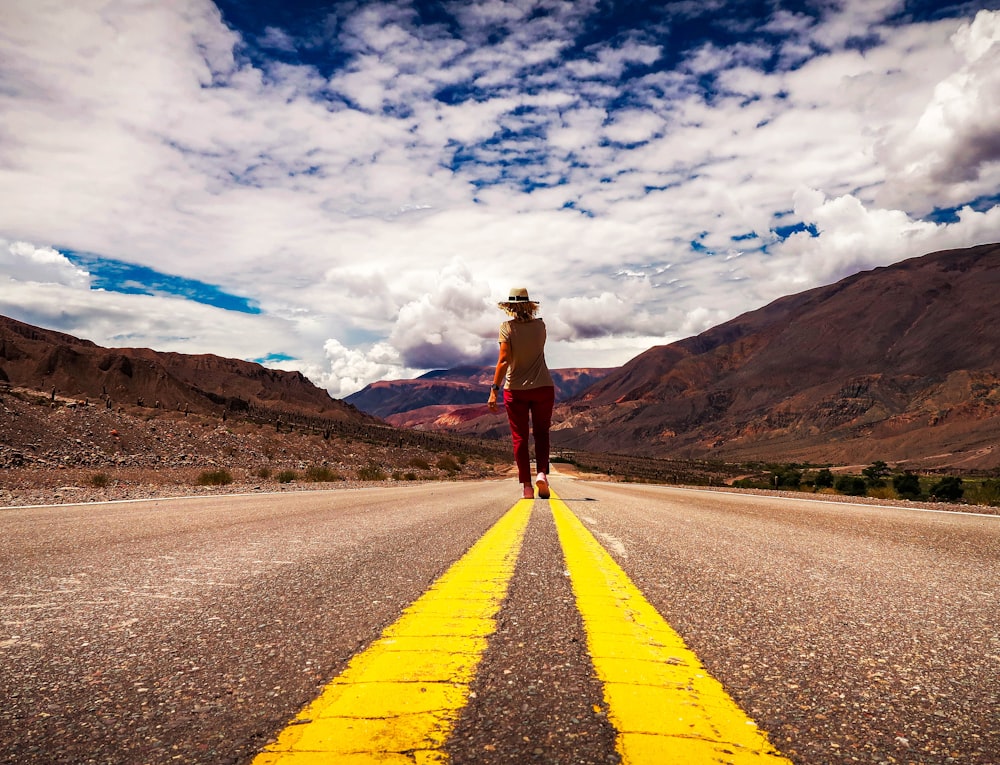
(518,296)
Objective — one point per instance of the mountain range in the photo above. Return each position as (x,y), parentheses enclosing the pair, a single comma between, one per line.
(900,363)
(455,399)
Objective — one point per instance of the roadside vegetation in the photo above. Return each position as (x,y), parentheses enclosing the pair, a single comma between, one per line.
(878,480)
(100,480)
(286,476)
(217,477)
(322,474)
(371,472)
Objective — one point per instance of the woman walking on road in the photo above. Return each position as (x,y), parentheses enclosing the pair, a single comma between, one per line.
(528,389)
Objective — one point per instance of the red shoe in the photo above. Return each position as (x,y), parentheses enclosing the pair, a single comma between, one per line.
(528,493)
(543,486)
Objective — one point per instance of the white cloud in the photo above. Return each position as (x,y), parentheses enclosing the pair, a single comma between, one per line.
(951,153)
(447,322)
(165,323)
(634,126)
(376,225)
(23,262)
(277,39)
(854,238)
(348,370)
(852,19)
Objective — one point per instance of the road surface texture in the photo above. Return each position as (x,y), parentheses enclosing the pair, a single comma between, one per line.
(221,629)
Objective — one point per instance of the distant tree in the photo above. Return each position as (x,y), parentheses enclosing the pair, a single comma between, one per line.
(907,485)
(948,488)
(876,473)
(824,479)
(787,476)
(851,485)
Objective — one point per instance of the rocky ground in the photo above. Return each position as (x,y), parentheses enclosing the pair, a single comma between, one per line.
(69,451)
(62,450)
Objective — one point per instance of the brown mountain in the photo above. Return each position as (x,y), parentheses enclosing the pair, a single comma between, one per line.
(475,421)
(899,363)
(42,359)
(431,400)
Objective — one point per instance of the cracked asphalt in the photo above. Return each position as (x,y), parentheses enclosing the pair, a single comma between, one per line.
(193,630)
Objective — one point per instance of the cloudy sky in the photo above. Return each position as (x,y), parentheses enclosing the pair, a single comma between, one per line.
(347,188)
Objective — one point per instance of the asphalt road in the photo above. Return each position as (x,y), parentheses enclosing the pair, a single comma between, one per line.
(194,630)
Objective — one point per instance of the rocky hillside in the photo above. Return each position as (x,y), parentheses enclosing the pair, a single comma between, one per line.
(41,359)
(899,363)
(65,450)
(454,399)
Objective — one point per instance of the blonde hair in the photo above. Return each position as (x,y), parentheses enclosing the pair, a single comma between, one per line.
(521,311)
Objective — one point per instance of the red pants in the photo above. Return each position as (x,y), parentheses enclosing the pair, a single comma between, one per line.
(537,404)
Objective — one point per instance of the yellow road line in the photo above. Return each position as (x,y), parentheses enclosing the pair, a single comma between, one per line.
(664,704)
(398,701)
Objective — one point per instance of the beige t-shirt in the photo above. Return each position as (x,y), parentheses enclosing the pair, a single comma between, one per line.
(527,368)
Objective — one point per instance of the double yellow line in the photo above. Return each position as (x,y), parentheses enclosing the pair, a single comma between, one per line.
(399,700)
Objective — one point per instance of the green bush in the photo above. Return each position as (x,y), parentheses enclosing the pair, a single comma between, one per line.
(217,477)
(948,489)
(264,472)
(876,473)
(852,485)
(786,476)
(823,479)
(322,474)
(287,476)
(752,483)
(983,493)
(907,485)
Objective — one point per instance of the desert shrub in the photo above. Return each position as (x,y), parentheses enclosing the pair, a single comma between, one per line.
(100,480)
(876,473)
(322,474)
(823,479)
(264,472)
(985,493)
(786,477)
(217,477)
(419,463)
(907,485)
(852,485)
(409,476)
(753,483)
(287,476)
(447,462)
(882,492)
(948,489)
(371,472)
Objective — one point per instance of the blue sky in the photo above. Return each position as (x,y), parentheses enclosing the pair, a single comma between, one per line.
(347,188)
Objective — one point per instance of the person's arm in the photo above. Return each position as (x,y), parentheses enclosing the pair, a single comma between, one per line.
(499,374)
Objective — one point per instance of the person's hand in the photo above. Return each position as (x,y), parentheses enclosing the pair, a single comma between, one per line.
(492,402)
